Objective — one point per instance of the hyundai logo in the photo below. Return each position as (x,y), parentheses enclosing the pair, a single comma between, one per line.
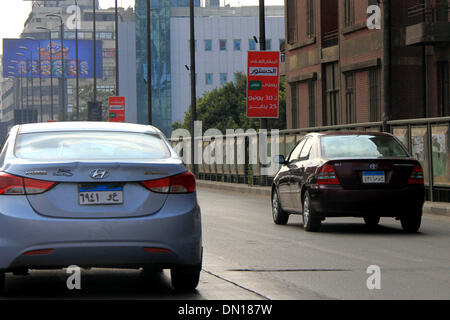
(99,174)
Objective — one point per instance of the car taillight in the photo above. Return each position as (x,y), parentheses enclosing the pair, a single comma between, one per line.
(327,175)
(14,185)
(33,186)
(182,183)
(416,175)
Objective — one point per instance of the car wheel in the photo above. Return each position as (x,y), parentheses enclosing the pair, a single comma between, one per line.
(311,222)
(280,216)
(185,279)
(372,221)
(411,224)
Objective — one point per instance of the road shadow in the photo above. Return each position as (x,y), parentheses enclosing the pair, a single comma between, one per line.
(358,228)
(95,284)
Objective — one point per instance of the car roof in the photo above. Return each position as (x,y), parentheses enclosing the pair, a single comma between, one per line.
(86,126)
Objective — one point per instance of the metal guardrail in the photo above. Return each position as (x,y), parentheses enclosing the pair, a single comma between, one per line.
(427,139)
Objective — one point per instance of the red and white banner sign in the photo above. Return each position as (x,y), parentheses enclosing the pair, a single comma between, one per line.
(116,109)
(263,84)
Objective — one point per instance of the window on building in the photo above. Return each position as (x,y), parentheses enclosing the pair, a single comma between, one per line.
(310,21)
(331,87)
(294,105)
(208,45)
(291,21)
(223,78)
(104,35)
(312,103)
(237,44)
(349,12)
(350,98)
(208,79)
(70,35)
(268,44)
(374,95)
(329,12)
(223,45)
(444,88)
(251,44)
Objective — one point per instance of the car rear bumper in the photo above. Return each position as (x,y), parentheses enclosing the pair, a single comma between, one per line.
(170,237)
(335,201)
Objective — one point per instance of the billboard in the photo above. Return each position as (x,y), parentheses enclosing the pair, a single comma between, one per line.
(116,109)
(263,84)
(21,58)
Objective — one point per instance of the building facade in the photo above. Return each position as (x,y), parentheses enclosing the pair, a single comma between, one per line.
(105,32)
(223,35)
(335,63)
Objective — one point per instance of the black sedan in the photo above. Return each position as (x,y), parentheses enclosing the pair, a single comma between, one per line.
(349,174)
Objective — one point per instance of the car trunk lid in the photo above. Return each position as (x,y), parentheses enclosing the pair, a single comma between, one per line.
(373,173)
(83,188)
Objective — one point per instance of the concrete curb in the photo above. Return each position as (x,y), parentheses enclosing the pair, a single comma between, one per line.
(434,208)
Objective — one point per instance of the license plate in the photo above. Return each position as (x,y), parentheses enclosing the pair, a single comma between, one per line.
(373,177)
(109,194)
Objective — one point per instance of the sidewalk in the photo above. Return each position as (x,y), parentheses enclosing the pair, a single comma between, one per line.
(435,208)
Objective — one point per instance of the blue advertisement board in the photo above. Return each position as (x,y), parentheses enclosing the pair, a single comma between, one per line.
(21,58)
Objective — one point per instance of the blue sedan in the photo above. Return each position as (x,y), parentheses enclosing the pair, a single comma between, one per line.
(97,195)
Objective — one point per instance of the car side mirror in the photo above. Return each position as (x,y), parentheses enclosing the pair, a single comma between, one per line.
(280,159)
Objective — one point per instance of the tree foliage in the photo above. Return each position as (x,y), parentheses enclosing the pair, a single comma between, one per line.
(87,95)
(225,108)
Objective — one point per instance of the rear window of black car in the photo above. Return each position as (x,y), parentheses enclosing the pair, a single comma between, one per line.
(361,146)
(90,145)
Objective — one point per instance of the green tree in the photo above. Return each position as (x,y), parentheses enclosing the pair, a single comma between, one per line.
(87,95)
(225,108)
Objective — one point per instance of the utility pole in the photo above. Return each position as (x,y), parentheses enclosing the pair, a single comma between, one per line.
(77,69)
(149,65)
(117,46)
(95,49)
(262,44)
(386,63)
(193,86)
(50,48)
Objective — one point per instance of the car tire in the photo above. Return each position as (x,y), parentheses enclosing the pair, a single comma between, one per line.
(311,222)
(279,216)
(412,223)
(185,279)
(372,221)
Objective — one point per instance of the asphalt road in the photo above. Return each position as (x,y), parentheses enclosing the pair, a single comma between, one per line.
(246,256)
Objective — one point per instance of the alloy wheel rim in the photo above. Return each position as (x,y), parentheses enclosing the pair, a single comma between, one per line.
(306,211)
(275,205)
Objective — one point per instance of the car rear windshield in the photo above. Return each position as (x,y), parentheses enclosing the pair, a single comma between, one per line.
(90,145)
(361,146)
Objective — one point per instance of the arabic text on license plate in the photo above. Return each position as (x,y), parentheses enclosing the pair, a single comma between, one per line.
(373,177)
(102,194)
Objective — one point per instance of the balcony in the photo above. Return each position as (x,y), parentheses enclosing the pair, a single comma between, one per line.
(428,24)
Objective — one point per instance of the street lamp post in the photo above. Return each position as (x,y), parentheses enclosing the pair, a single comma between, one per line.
(149,65)
(62,86)
(77,82)
(41,108)
(51,69)
(20,54)
(31,78)
(117,46)
(193,86)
